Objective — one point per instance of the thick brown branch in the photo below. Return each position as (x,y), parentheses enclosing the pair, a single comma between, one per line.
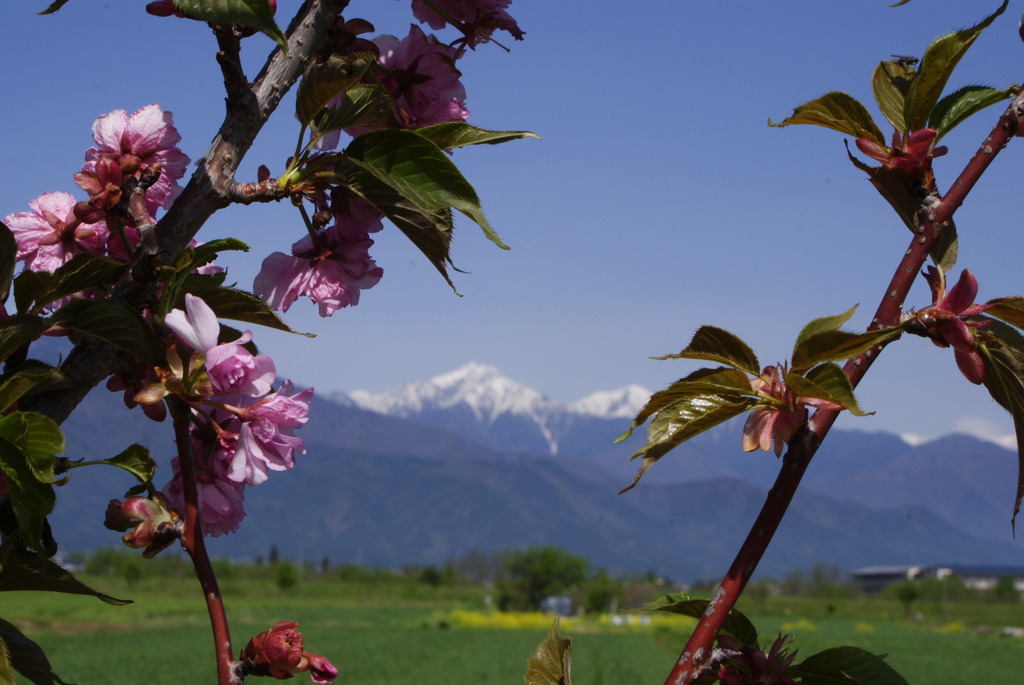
(932,216)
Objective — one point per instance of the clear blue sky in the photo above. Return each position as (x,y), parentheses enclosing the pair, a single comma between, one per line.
(657,201)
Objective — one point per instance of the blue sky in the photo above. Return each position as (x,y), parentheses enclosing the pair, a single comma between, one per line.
(658,199)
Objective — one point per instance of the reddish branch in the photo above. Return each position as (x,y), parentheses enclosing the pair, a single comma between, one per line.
(931,217)
(192,542)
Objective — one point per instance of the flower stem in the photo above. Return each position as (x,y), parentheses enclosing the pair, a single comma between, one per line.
(192,542)
(931,217)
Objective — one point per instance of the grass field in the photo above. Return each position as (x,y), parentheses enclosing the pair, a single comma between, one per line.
(445,636)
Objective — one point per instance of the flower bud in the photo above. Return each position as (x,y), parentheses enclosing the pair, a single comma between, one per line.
(152,525)
(278,653)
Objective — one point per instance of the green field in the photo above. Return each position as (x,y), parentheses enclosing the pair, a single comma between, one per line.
(391,634)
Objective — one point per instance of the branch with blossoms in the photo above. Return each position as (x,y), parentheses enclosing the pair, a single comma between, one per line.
(121,276)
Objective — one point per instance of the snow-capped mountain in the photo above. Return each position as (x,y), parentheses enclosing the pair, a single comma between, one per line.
(478,402)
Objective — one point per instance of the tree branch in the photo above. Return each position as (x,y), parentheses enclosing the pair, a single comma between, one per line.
(801,449)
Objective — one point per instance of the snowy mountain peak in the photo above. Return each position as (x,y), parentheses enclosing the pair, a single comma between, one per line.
(481,388)
(623,403)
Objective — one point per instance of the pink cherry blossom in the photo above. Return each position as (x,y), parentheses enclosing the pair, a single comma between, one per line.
(50,234)
(265,439)
(232,368)
(220,499)
(943,321)
(333,273)
(779,414)
(137,141)
(478,18)
(419,72)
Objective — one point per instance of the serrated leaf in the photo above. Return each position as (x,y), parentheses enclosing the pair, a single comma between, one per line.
(8,260)
(1008,309)
(961,104)
(680,421)
(937,64)
(736,623)
(234,304)
(26,657)
(839,112)
(826,382)
(1002,349)
(21,571)
(110,320)
(453,134)
(254,13)
(834,345)
(889,83)
(823,324)
(362,105)
(846,665)
(551,662)
(727,382)
(29,378)
(430,231)
(81,272)
(18,331)
(717,345)
(419,171)
(324,81)
(38,438)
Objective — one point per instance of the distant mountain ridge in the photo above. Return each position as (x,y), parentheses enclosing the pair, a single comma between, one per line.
(479,402)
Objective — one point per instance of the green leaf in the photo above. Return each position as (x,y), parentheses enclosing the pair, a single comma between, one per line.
(718,345)
(420,171)
(135,459)
(324,81)
(721,381)
(937,64)
(237,305)
(455,134)
(21,571)
(682,420)
(1008,309)
(846,665)
(901,2)
(361,105)
(960,104)
(829,346)
(839,112)
(254,13)
(32,500)
(889,83)
(430,231)
(26,657)
(38,438)
(823,324)
(29,286)
(81,272)
(1002,349)
(110,320)
(18,331)
(208,252)
(736,623)
(551,662)
(8,259)
(54,6)
(30,377)
(825,382)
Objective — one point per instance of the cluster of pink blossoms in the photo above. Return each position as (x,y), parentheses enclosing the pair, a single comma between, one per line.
(243,428)
(130,150)
(330,268)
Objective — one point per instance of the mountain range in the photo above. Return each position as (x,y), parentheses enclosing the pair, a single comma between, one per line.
(471,460)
